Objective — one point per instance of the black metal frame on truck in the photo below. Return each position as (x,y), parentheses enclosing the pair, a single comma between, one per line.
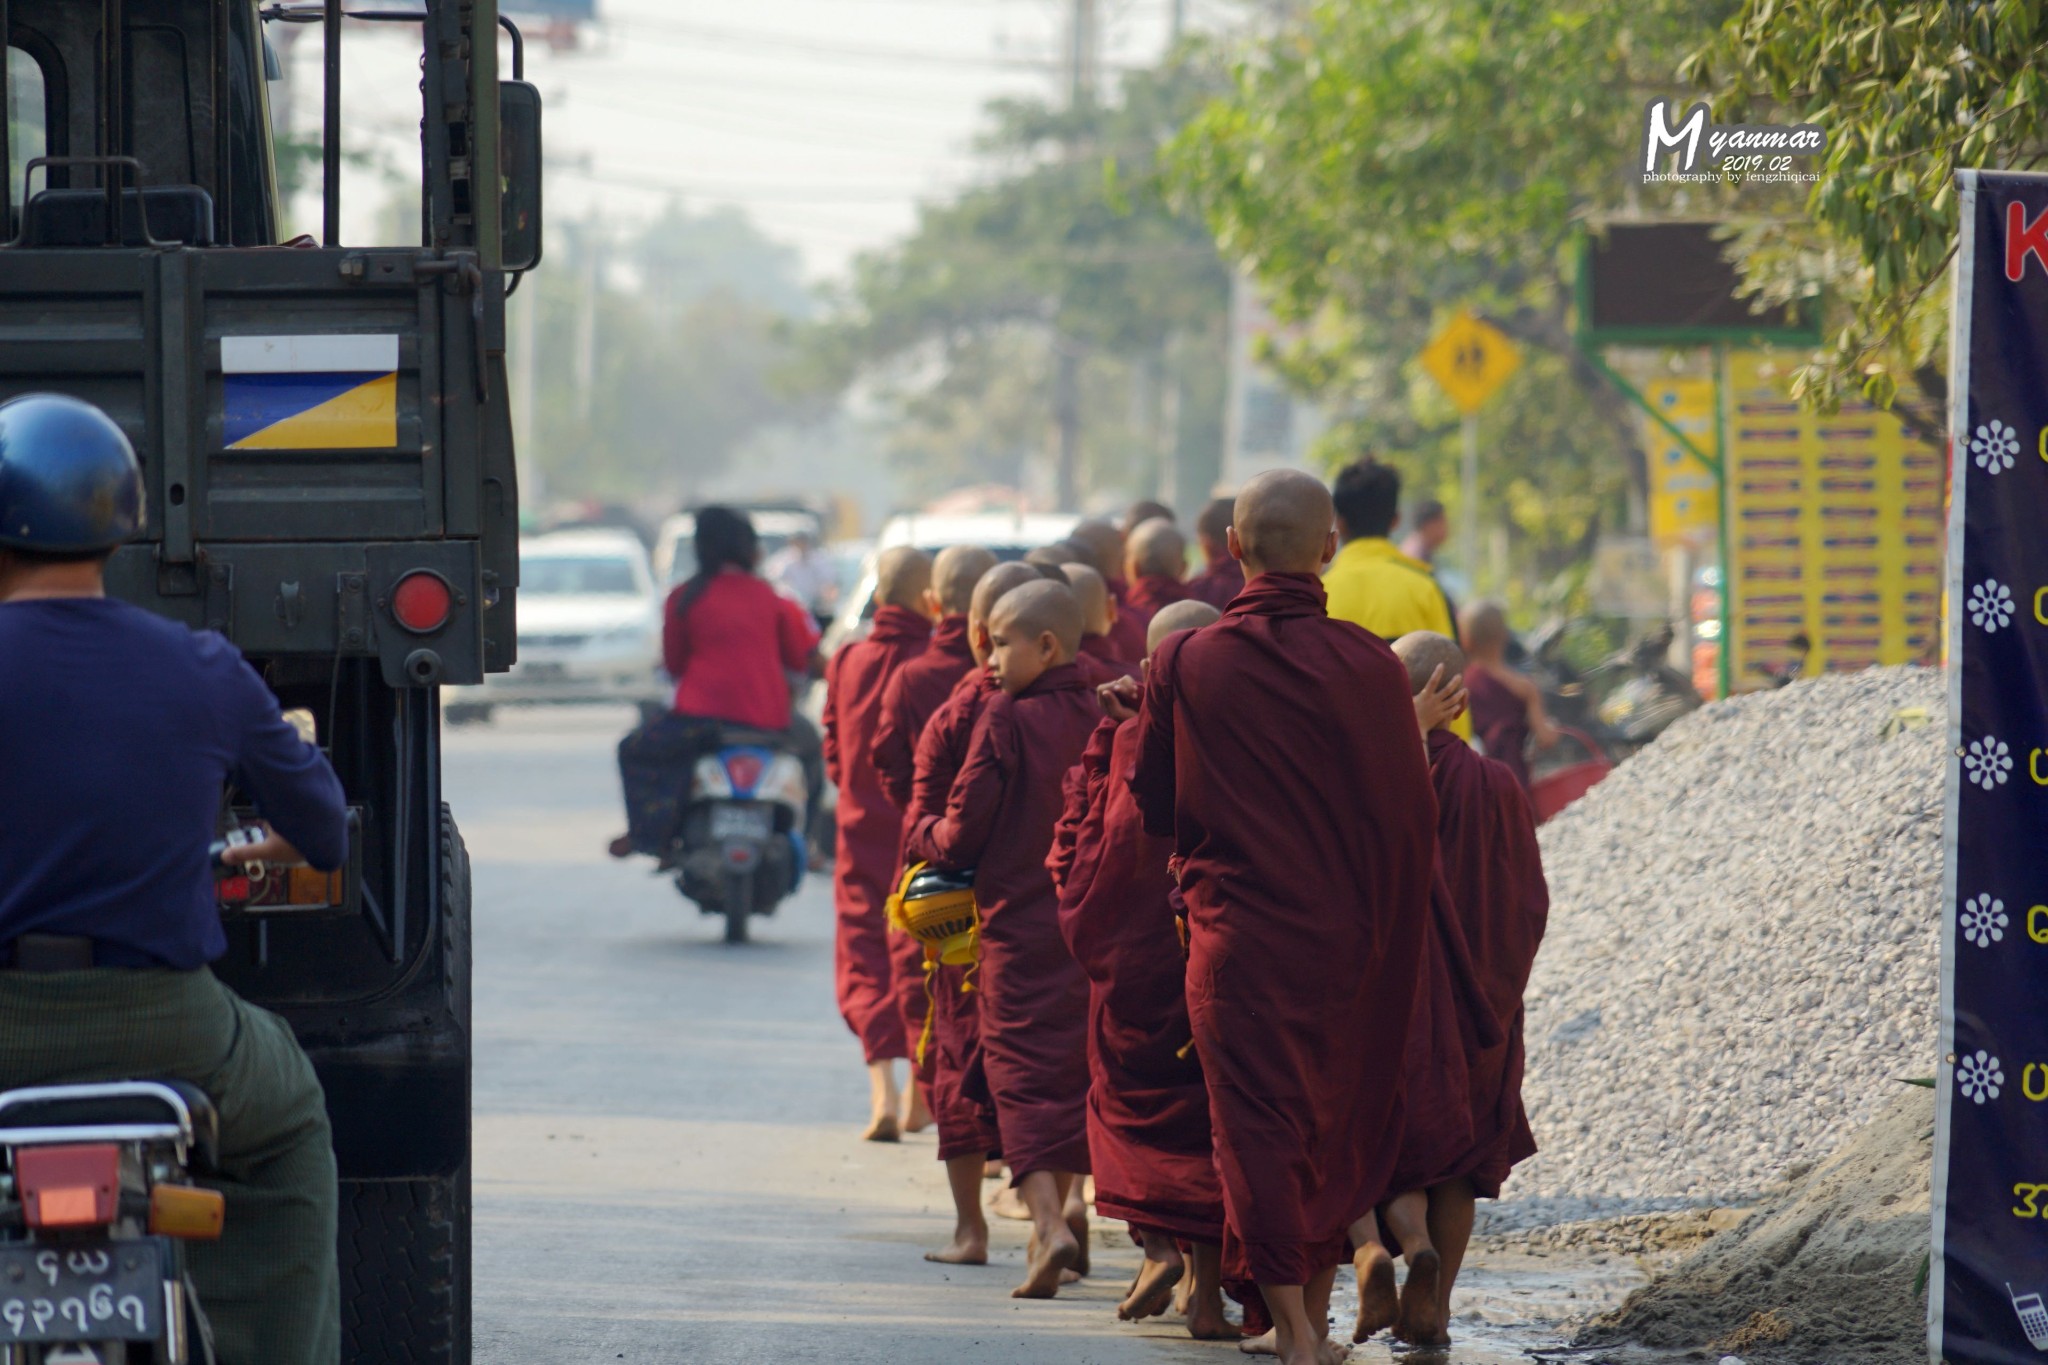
(327,443)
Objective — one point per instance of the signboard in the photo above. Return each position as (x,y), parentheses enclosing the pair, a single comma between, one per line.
(1672,284)
(1989,1277)
(1470,359)
(1834,531)
(1685,497)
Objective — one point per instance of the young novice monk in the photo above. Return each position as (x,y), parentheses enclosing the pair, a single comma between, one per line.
(1221,577)
(1155,557)
(1279,750)
(912,694)
(960,1101)
(1098,620)
(1493,880)
(1148,1108)
(1034,998)
(1507,707)
(870,826)
(1102,546)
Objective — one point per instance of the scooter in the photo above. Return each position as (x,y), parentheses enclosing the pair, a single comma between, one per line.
(96,1203)
(740,847)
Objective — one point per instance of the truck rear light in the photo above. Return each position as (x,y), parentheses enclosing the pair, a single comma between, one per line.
(422,601)
(69,1187)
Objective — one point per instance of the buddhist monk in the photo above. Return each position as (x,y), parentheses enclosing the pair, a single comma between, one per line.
(1142,511)
(1148,1108)
(1155,557)
(960,1101)
(1221,577)
(1049,561)
(1278,750)
(1507,707)
(1493,884)
(999,822)
(870,827)
(1102,547)
(1098,616)
(909,698)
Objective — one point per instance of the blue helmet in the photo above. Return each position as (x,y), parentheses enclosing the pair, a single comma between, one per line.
(69,480)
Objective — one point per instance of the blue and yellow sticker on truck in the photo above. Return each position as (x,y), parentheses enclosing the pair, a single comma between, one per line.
(309,392)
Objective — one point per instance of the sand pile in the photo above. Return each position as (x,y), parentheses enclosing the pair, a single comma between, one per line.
(1823,1272)
(1743,948)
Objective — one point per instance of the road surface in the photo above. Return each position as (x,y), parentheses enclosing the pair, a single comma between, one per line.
(667,1162)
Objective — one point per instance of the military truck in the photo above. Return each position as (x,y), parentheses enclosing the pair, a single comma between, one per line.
(326,438)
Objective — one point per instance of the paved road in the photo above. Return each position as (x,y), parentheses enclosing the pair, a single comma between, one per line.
(667,1166)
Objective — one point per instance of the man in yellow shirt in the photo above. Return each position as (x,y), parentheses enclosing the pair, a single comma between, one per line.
(1370,582)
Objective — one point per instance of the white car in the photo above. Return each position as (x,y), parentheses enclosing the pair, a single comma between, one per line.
(675,546)
(589,627)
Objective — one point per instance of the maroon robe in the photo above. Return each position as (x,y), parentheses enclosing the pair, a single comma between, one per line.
(1500,719)
(1278,748)
(1148,1108)
(1222,580)
(870,829)
(1493,870)
(999,821)
(1099,656)
(958,1089)
(1150,593)
(913,693)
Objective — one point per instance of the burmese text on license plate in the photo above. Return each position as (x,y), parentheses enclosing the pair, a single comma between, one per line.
(112,1291)
(741,822)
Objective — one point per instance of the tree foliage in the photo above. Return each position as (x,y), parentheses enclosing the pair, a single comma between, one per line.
(1381,165)
(1068,243)
(1908,92)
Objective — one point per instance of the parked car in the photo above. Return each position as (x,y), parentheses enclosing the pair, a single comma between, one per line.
(589,627)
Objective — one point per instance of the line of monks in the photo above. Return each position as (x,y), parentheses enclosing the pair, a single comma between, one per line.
(1254,925)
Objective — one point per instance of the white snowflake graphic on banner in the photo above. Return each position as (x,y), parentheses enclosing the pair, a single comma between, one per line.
(1983,920)
(1995,445)
(1988,761)
(1979,1077)
(1991,606)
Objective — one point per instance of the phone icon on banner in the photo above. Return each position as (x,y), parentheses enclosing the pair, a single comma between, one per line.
(2033,1317)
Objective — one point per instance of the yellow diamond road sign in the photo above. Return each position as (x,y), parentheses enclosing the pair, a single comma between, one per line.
(1470,359)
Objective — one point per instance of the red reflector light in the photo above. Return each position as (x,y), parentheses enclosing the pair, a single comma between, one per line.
(422,601)
(68,1187)
(744,770)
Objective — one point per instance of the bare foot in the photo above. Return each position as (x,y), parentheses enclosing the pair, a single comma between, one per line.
(1266,1343)
(1007,1203)
(1329,1352)
(1153,1290)
(1421,1320)
(621,847)
(1077,1224)
(1183,1293)
(1207,1323)
(883,1129)
(966,1248)
(1378,1305)
(916,1118)
(1047,1262)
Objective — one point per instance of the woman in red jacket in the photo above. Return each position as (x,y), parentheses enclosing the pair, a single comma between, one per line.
(731,642)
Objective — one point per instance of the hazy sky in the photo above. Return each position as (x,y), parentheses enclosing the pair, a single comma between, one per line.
(827,120)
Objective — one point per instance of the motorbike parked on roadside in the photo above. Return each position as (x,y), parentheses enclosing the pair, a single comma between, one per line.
(1621,703)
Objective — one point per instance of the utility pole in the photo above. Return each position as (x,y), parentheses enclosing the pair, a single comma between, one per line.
(1066,396)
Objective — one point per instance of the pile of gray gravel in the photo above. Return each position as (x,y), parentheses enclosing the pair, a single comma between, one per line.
(1743,951)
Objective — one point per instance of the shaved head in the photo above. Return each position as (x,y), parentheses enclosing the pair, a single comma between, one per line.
(1176,617)
(1040,609)
(1425,651)
(954,574)
(901,576)
(1093,595)
(1142,511)
(1049,562)
(1211,526)
(1156,547)
(1102,545)
(1283,520)
(1483,626)
(997,581)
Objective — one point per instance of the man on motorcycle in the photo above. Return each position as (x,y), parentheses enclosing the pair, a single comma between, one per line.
(119,731)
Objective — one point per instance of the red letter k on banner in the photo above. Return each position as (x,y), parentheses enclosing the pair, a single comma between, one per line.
(2024,239)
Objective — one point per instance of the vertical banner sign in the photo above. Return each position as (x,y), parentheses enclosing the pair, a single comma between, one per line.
(1988,1288)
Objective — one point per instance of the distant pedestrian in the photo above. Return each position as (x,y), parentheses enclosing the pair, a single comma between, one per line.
(1428,528)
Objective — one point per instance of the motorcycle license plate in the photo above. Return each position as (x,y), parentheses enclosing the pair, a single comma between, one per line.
(742,822)
(99,1291)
